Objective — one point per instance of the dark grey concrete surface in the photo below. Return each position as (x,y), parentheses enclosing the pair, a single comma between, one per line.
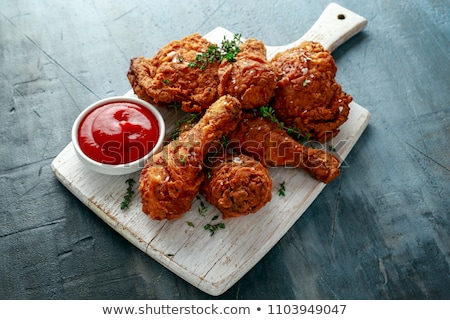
(380,231)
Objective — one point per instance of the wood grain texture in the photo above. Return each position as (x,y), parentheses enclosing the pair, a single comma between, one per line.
(380,231)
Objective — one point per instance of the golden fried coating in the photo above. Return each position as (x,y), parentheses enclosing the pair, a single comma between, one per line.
(237,186)
(307,96)
(251,78)
(266,142)
(167,78)
(171,179)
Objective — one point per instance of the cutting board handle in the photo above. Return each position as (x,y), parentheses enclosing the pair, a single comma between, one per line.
(335,26)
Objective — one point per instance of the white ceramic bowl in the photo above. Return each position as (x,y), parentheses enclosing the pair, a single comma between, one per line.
(118,169)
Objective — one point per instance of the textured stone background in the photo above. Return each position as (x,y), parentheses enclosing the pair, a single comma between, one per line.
(380,231)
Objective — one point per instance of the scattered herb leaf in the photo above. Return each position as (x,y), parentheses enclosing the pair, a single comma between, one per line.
(282,190)
(129,195)
(202,208)
(212,228)
(190,224)
(193,118)
(224,141)
(269,113)
(208,173)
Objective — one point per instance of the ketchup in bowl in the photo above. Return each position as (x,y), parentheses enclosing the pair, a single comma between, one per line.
(117,135)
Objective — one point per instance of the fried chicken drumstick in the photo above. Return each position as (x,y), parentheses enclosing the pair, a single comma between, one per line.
(171,179)
(251,78)
(237,185)
(307,96)
(265,141)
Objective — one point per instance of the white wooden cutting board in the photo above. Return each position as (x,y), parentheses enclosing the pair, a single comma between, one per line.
(214,263)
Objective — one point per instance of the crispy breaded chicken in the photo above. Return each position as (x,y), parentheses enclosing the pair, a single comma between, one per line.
(237,185)
(307,96)
(272,146)
(251,78)
(171,179)
(167,78)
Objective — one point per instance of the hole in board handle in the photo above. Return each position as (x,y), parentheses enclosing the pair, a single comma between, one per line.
(341,16)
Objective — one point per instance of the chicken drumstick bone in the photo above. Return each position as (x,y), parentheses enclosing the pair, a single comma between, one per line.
(171,179)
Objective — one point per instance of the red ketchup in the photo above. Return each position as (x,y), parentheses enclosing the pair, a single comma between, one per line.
(118,133)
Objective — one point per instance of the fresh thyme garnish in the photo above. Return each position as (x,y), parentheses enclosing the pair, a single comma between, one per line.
(202,208)
(224,141)
(212,228)
(282,190)
(269,113)
(190,224)
(227,50)
(230,49)
(127,197)
(208,174)
(193,118)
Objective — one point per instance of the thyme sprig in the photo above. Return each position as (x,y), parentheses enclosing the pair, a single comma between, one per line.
(230,48)
(227,50)
(224,141)
(129,195)
(192,119)
(269,113)
(212,228)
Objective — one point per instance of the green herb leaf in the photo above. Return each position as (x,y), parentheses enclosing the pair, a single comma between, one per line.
(224,141)
(268,112)
(282,189)
(129,195)
(212,228)
(193,118)
(202,208)
(228,50)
